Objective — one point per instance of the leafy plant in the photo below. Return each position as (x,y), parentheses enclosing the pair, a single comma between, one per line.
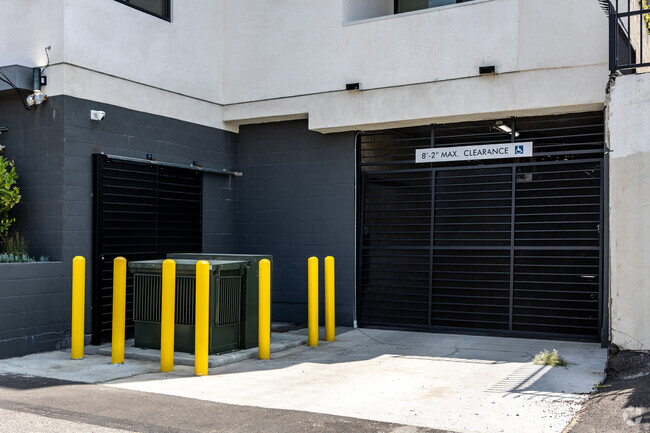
(549,358)
(9,194)
(15,244)
(646,17)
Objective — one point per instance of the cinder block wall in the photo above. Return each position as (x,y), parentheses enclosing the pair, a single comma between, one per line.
(130,133)
(296,200)
(35,304)
(35,142)
(35,297)
(52,146)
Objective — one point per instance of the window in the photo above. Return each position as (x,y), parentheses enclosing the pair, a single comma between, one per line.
(157,8)
(414,5)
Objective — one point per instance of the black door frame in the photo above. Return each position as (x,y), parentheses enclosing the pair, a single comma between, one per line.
(163,183)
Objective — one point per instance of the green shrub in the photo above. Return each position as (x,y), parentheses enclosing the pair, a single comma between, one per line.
(549,358)
(9,194)
(15,244)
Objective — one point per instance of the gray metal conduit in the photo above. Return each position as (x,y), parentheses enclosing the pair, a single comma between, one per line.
(223,171)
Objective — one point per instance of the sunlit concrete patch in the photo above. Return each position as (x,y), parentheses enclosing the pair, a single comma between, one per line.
(453,382)
(58,365)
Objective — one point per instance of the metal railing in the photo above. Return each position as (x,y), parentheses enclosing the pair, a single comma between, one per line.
(629,35)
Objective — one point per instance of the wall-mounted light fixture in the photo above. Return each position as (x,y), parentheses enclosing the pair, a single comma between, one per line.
(3,129)
(505,128)
(36,98)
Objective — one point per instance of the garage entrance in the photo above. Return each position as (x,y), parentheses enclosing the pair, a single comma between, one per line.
(503,246)
(142,211)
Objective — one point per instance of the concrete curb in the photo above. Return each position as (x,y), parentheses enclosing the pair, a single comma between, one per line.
(181,358)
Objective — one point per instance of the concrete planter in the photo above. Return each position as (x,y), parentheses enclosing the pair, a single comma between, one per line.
(35,301)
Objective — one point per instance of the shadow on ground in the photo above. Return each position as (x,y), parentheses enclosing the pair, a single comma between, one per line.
(25,382)
(622,404)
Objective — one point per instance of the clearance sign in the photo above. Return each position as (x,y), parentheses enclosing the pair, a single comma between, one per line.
(468,153)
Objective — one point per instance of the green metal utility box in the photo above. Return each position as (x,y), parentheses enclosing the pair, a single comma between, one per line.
(227,293)
(250,309)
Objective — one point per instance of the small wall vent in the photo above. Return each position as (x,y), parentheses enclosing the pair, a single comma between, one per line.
(483,70)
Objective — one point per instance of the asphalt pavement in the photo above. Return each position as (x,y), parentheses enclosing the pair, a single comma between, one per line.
(621,404)
(31,404)
(367,380)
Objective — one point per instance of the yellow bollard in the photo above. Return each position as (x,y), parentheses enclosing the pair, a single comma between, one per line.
(78,306)
(264,327)
(167,316)
(312,301)
(201,330)
(119,310)
(329,299)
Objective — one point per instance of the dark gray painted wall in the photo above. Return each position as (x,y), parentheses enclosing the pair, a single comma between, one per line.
(35,304)
(35,297)
(135,134)
(35,142)
(296,200)
(53,145)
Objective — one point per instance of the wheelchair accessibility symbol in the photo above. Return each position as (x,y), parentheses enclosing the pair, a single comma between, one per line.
(519,150)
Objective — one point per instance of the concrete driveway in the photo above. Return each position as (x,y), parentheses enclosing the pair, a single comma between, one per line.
(449,382)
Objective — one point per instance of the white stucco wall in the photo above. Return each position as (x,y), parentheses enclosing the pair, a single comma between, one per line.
(183,56)
(268,61)
(629,141)
(476,98)
(108,52)
(27,28)
(414,68)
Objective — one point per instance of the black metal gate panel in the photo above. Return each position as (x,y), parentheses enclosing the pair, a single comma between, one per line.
(511,247)
(142,212)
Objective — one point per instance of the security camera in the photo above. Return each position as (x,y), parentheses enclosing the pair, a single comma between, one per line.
(97,115)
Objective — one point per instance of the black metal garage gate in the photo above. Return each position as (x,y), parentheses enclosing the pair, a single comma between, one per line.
(142,212)
(512,247)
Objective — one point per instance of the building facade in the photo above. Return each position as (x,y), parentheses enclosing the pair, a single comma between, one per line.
(293,129)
